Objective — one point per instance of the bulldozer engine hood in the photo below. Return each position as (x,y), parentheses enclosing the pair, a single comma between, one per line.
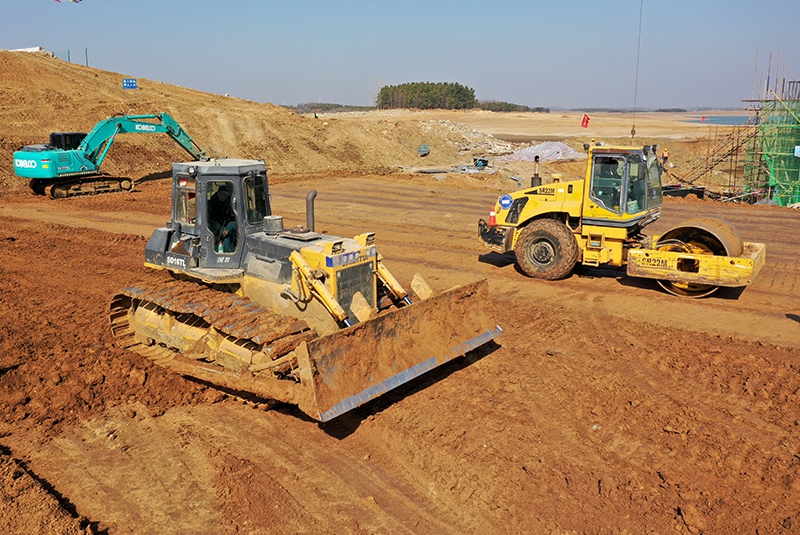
(267,255)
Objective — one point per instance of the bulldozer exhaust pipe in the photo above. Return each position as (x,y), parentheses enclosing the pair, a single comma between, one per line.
(310,209)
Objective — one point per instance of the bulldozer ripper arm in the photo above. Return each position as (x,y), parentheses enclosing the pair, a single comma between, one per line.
(307,277)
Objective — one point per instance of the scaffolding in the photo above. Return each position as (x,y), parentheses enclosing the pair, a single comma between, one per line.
(724,152)
(772,163)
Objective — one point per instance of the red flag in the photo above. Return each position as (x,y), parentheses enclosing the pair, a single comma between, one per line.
(585,121)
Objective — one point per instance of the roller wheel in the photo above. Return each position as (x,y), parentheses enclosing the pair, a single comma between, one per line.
(546,249)
(704,235)
(683,289)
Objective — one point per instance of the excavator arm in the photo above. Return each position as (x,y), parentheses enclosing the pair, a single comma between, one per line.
(95,145)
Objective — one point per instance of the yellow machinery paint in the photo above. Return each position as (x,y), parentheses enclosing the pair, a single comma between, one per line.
(598,221)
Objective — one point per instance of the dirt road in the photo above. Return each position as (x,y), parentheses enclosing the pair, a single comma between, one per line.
(606,406)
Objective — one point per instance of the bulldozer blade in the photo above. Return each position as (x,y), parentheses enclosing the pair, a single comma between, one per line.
(352,366)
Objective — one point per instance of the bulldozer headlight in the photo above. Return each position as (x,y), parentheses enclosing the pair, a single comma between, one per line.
(192,170)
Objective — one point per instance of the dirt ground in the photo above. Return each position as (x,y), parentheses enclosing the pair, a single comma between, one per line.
(607,406)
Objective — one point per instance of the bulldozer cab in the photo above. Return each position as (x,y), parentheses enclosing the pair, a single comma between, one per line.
(624,186)
(217,207)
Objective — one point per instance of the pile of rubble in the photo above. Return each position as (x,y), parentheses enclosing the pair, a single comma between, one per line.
(547,151)
(468,139)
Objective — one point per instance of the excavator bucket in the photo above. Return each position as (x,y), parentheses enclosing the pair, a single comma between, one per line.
(350,367)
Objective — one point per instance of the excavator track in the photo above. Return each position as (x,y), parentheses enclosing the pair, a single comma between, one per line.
(95,185)
(206,333)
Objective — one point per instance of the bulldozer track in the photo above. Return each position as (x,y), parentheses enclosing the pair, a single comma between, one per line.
(240,320)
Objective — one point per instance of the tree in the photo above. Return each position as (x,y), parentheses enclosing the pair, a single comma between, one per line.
(427,95)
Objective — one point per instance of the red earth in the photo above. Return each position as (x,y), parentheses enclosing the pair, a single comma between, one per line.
(606,405)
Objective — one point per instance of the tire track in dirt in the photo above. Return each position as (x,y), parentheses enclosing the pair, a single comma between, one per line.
(564,423)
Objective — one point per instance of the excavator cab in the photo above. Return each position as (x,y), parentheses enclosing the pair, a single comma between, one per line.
(66,140)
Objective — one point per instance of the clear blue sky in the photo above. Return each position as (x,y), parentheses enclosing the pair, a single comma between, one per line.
(558,54)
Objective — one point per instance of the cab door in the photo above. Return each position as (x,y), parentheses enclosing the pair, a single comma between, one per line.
(222,224)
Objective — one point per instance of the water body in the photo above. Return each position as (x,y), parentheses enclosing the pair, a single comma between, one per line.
(729,120)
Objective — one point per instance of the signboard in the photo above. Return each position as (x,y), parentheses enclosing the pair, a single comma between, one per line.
(129,83)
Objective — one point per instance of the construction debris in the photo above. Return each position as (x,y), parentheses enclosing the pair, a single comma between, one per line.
(479,165)
(547,151)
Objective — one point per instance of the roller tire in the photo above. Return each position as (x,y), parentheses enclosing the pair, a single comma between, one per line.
(546,249)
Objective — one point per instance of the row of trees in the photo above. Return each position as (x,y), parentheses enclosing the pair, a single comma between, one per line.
(493,105)
(421,95)
(427,95)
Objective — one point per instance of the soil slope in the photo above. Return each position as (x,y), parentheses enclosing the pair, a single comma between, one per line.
(42,94)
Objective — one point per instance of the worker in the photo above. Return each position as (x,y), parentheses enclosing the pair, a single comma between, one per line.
(536,180)
(592,143)
(609,168)
(222,219)
(665,156)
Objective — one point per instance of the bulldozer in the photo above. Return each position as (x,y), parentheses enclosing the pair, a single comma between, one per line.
(285,314)
(598,221)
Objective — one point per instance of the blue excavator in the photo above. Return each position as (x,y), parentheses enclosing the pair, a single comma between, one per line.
(69,165)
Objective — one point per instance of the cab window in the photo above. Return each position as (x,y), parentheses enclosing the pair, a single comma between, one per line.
(607,175)
(186,201)
(221,216)
(653,174)
(637,187)
(255,198)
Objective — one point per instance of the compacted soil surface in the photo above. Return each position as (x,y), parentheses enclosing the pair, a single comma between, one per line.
(606,405)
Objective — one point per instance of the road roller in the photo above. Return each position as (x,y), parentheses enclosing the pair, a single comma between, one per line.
(598,221)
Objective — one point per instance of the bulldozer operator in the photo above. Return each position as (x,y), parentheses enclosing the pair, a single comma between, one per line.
(222,219)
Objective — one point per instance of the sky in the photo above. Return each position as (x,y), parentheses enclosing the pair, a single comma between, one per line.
(559,54)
